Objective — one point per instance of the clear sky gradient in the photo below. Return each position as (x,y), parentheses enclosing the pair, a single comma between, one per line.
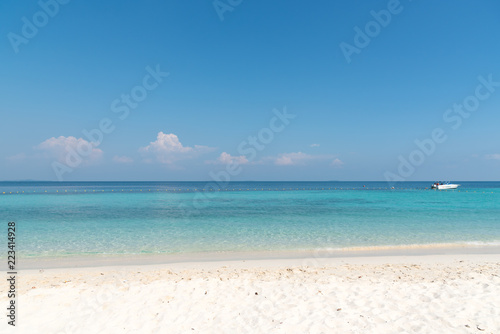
(67,67)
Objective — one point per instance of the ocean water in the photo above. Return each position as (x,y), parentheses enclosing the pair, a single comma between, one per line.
(87,218)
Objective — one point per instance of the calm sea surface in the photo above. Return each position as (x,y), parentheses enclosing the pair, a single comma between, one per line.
(85,218)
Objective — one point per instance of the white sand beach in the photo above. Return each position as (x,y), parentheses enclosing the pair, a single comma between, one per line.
(392,294)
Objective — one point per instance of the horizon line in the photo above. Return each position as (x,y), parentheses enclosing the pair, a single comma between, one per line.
(54,181)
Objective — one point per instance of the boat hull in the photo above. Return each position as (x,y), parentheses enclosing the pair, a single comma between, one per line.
(445,186)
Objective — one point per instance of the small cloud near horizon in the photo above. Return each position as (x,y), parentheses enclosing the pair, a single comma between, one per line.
(226,158)
(314,145)
(337,163)
(62,148)
(167,149)
(294,158)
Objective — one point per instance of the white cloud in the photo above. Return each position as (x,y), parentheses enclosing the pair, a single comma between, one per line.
(226,158)
(123,159)
(494,156)
(65,149)
(337,163)
(167,143)
(314,145)
(294,158)
(168,149)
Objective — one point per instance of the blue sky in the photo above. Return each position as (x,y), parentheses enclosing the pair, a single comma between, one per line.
(228,79)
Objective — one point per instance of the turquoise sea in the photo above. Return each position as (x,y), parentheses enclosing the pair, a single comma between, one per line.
(56,219)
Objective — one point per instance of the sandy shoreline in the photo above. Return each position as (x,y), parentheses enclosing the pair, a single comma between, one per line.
(105,260)
(457,293)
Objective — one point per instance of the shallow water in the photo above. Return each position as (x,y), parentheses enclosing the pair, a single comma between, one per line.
(85,218)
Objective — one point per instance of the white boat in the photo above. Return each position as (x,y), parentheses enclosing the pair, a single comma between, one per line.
(444,186)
